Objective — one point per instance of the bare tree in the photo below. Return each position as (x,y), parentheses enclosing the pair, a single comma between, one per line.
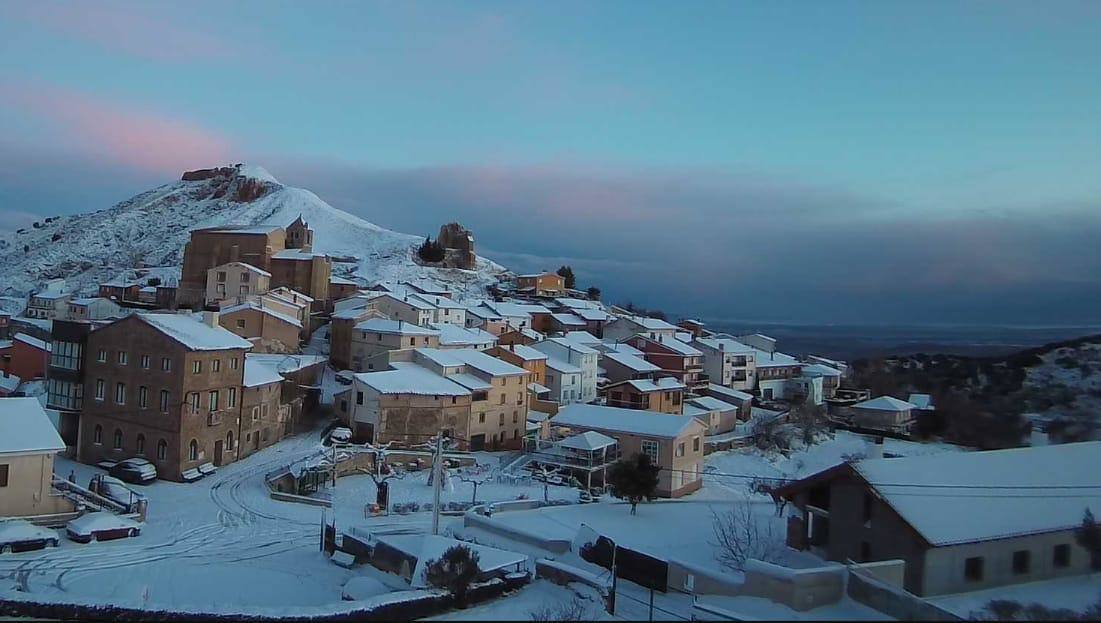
(811,420)
(475,479)
(739,536)
(769,434)
(575,610)
(545,474)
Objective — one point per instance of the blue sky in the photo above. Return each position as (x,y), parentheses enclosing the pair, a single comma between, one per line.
(790,161)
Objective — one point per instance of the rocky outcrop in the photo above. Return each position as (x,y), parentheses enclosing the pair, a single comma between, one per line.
(227,182)
(205,174)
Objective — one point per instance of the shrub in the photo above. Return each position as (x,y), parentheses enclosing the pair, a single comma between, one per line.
(455,571)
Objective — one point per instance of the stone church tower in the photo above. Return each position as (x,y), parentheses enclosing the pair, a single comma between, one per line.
(458,244)
(299,235)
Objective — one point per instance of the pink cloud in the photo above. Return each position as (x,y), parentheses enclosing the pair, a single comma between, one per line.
(119,132)
(128,31)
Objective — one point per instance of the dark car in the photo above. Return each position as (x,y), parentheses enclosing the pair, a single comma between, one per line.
(135,471)
(17,535)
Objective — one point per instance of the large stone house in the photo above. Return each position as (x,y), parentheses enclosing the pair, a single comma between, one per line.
(961,521)
(162,386)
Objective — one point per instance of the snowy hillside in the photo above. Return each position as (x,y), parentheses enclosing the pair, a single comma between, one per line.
(150,229)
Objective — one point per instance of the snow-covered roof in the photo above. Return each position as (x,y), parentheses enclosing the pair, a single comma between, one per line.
(254,306)
(573,303)
(571,345)
(665,383)
(193,334)
(411,300)
(242,229)
(454,335)
(994,492)
(5,344)
(730,392)
(571,320)
(411,379)
(25,427)
(650,324)
(441,302)
(675,345)
(394,327)
(774,360)
(9,383)
(50,294)
(562,367)
(694,411)
(713,404)
(470,382)
(884,403)
(820,369)
(588,440)
(726,345)
(638,364)
(259,372)
(473,358)
(623,347)
(295,254)
(581,337)
(341,281)
(646,423)
(32,341)
(921,401)
(525,352)
(245,265)
(483,312)
(592,315)
(287,363)
(284,292)
(537,388)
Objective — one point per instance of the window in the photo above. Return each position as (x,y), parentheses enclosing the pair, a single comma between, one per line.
(164,401)
(193,451)
(231,400)
(221,275)
(65,395)
(101,389)
(118,439)
(359,398)
(481,418)
(3,475)
(973,568)
(143,397)
(515,417)
(1022,561)
(196,367)
(650,449)
(194,401)
(123,357)
(695,444)
(233,363)
(145,362)
(214,400)
(255,413)
(97,435)
(1060,556)
(229,440)
(120,393)
(502,422)
(869,502)
(412,341)
(243,290)
(216,365)
(244,277)
(139,444)
(502,399)
(65,355)
(162,450)
(166,364)
(102,355)
(240,323)
(680,449)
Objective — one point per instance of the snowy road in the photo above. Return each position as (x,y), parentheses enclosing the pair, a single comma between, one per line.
(224,527)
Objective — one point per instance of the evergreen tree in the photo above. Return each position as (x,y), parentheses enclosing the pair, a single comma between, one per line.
(594,293)
(567,273)
(1088,535)
(634,480)
(455,571)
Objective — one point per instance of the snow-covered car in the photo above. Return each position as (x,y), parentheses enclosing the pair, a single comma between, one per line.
(101,526)
(340,434)
(114,489)
(17,535)
(136,471)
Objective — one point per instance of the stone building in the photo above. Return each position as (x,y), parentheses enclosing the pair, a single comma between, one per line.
(458,244)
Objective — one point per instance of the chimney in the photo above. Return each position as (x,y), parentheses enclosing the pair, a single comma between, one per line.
(235,253)
(876,449)
(210,319)
(722,346)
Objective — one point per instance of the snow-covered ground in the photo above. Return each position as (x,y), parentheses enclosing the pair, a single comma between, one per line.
(538,596)
(1075,593)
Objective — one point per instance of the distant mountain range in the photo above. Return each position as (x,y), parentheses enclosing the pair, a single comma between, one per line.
(150,229)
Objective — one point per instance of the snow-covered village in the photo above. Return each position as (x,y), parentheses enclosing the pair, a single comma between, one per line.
(540,311)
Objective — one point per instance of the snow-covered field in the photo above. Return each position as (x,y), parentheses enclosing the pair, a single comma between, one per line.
(1075,593)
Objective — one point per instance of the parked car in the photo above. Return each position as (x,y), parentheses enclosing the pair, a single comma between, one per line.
(101,526)
(341,434)
(114,489)
(18,535)
(137,471)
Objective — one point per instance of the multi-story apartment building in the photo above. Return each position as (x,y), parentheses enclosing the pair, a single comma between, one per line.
(235,279)
(272,330)
(407,405)
(728,362)
(563,381)
(676,359)
(264,420)
(165,387)
(576,354)
(47,305)
(65,375)
(541,284)
(410,308)
(373,336)
(526,357)
(625,327)
(95,308)
(664,395)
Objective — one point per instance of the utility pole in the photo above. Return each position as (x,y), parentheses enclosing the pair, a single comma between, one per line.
(437,476)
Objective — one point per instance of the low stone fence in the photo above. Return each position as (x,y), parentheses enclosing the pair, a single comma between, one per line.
(893,600)
(397,606)
(563,574)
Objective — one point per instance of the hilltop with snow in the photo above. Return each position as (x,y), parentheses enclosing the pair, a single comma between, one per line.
(151,228)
